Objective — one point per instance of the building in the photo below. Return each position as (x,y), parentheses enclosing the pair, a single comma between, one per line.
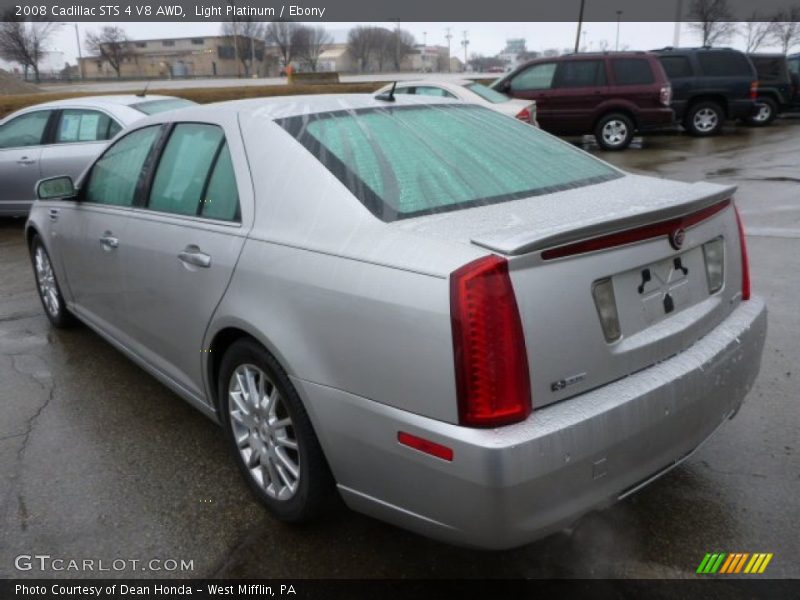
(511,53)
(426,59)
(208,56)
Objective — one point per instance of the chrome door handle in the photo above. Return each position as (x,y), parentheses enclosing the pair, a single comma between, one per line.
(53,214)
(193,256)
(26,161)
(109,241)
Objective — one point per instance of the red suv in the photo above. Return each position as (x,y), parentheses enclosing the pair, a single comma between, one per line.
(610,94)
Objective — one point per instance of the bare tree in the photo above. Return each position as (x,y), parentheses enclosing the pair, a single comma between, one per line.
(310,43)
(385,46)
(786,28)
(712,19)
(281,34)
(244,32)
(756,31)
(361,45)
(24,42)
(110,43)
(404,44)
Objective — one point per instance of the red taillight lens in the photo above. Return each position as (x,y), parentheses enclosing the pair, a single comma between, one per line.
(525,115)
(754,90)
(745,260)
(490,359)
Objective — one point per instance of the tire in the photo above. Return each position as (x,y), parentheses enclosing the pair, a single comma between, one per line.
(766,115)
(704,119)
(614,132)
(262,441)
(47,286)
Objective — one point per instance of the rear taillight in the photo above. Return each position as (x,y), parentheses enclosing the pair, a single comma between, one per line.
(665,95)
(745,260)
(525,115)
(491,364)
(754,90)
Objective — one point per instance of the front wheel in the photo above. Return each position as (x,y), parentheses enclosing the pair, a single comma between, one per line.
(614,132)
(270,434)
(46,284)
(766,113)
(704,119)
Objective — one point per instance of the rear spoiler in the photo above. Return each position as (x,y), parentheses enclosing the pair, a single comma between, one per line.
(526,242)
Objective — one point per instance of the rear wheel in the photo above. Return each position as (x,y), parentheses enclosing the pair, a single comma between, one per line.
(270,434)
(614,132)
(704,119)
(766,113)
(46,284)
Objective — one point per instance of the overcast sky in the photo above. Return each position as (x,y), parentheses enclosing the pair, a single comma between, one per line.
(484,38)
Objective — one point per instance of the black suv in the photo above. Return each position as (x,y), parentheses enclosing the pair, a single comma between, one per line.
(776,88)
(710,85)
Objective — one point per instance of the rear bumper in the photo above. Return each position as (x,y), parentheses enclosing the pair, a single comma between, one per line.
(741,109)
(509,486)
(655,119)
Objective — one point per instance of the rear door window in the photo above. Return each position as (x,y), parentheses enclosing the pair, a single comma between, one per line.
(24,130)
(580,73)
(724,64)
(536,77)
(115,175)
(83,125)
(632,71)
(427,90)
(676,66)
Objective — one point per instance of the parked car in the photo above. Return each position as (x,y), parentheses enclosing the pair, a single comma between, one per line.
(611,95)
(61,138)
(478,342)
(776,90)
(709,86)
(793,61)
(468,91)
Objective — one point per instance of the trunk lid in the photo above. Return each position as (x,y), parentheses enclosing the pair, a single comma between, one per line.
(661,293)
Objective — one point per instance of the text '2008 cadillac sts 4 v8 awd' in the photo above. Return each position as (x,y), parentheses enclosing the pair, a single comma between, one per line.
(478,341)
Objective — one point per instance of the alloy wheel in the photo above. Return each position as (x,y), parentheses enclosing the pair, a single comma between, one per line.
(47,281)
(615,132)
(763,115)
(705,119)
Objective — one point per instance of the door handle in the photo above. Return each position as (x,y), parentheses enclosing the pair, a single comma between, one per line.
(109,241)
(192,255)
(54,214)
(26,161)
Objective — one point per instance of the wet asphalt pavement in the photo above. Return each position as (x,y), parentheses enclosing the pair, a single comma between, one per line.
(98,460)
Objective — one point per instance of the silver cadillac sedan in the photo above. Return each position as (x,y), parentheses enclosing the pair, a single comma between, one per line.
(476,341)
(62,138)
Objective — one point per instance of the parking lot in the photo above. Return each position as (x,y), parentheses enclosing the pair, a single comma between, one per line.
(98,460)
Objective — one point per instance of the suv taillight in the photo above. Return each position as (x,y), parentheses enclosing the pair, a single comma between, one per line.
(491,363)
(665,96)
(525,115)
(745,260)
(754,90)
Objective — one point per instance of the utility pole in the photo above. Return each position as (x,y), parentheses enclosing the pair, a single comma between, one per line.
(580,24)
(397,43)
(80,56)
(449,36)
(676,37)
(619,18)
(252,58)
(465,43)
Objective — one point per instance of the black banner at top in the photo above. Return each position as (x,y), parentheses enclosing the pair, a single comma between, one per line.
(383,10)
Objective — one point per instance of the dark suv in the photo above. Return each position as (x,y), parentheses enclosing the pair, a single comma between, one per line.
(776,88)
(611,95)
(710,85)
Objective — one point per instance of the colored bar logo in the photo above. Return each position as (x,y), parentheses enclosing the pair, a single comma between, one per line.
(734,562)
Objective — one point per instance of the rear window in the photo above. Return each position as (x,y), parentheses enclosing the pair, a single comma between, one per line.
(676,66)
(152,107)
(794,65)
(722,64)
(772,68)
(632,71)
(407,161)
(486,93)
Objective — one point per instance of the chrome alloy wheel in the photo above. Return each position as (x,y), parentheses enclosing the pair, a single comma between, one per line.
(615,132)
(264,432)
(705,119)
(47,281)
(764,113)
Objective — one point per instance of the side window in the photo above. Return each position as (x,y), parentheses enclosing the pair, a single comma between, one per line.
(722,64)
(537,77)
(25,130)
(403,90)
(82,125)
(114,176)
(183,172)
(221,199)
(433,91)
(632,71)
(580,73)
(794,66)
(676,66)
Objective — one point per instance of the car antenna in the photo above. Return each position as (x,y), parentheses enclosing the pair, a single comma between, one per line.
(387,96)
(144,91)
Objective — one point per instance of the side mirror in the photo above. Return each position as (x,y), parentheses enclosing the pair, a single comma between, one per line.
(55,188)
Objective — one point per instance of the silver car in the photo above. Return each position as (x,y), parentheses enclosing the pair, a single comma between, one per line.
(468,91)
(62,138)
(476,343)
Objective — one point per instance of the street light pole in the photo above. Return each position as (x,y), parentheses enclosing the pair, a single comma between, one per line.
(449,36)
(619,18)
(580,24)
(676,37)
(465,43)
(80,56)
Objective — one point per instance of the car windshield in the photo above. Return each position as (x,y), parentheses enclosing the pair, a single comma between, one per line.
(487,93)
(407,161)
(151,107)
